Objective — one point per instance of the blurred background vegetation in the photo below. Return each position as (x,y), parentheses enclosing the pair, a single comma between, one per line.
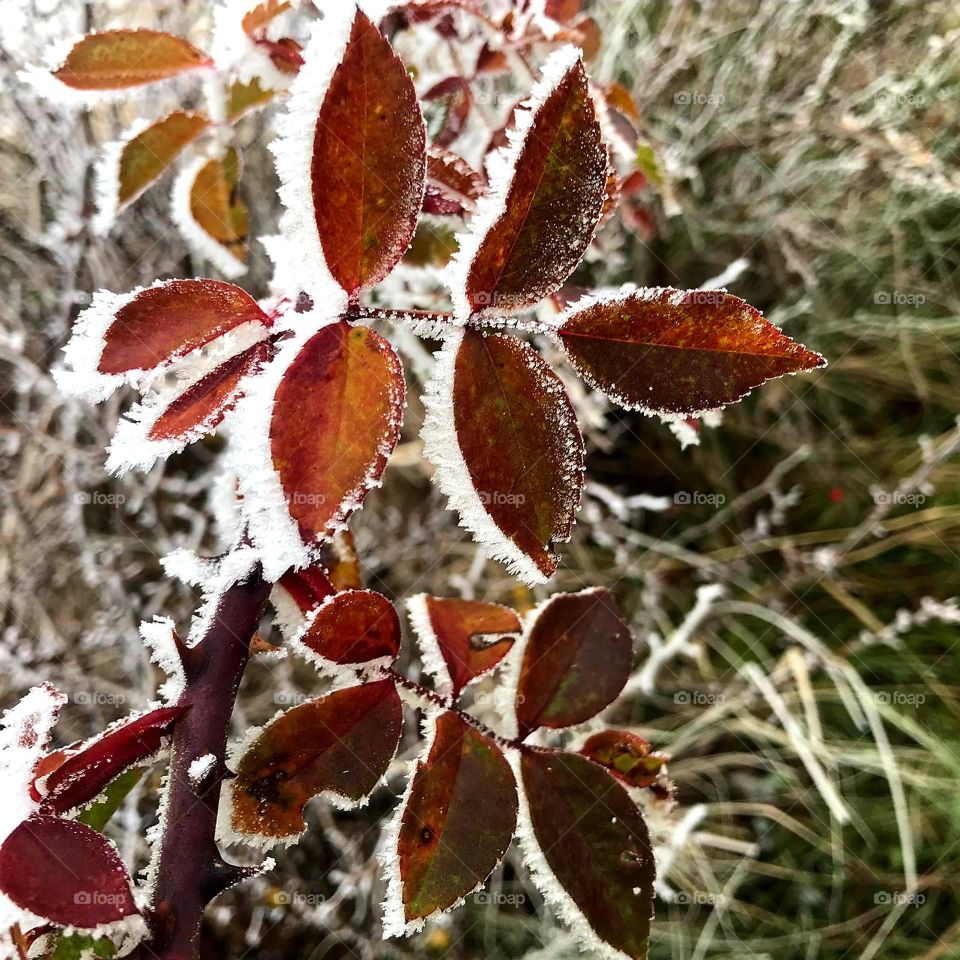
(808,153)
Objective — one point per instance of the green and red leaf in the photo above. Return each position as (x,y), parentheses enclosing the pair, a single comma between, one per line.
(471,637)
(340,744)
(87,771)
(244,97)
(354,626)
(65,872)
(215,206)
(116,59)
(627,756)
(678,351)
(537,225)
(577,655)
(589,850)
(509,456)
(144,157)
(368,164)
(336,418)
(458,819)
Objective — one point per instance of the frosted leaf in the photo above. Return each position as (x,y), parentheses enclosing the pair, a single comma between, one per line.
(293,150)
(24,733)
(501,174)
(139,442)
(201,244)
(234,52)
(520,495)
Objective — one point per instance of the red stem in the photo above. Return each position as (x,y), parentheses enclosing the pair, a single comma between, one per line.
(190,871)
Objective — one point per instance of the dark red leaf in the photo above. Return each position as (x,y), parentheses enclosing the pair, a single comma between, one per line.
(336,418)
(65,872)
(627,756)
(458,820)
(453,187)
(472,637)
(596,844)
(676,351)
(519,439)
(169,320)
(87,771)
(491,62)
(562,10)
(452,100)
(353,627)
(576,659)
(308,588)
(552,205)
(207,401)
(127,58)
(342,743)
(368,161)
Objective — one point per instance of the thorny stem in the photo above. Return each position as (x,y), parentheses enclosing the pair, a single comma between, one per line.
(190,871)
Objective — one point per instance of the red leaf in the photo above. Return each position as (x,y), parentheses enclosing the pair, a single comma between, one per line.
(354,627)
(205,403)
(65,872)
(453,187)
(491,62)
(342,743)
(147,155)
(127,58)
(468,634)
(368,161)
(453,100)
(562,10)
(519,445)
(627,756)
(308,588)
(596,845)
(335,421)
(458,820)
(675,351)
(576,659)
(85,773)
(339,556)
(172,319)
(551,205)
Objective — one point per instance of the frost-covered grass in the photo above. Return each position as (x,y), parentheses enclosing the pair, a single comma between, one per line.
(817,141)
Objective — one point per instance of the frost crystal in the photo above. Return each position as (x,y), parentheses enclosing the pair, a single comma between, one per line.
(159,637)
